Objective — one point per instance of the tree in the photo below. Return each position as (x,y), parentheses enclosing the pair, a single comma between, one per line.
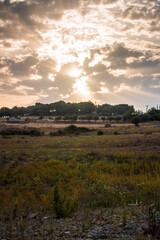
(96,118)
(5,112)
(67,117)
(86,107)
(83,117)
(110,118)
(89,117)
(73,117)
(154,114)
(58,118)
(109,110)
(136,120)
(118,118)
(103,118)
(129,115)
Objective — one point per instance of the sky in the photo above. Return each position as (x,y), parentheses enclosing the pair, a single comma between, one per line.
(105,51)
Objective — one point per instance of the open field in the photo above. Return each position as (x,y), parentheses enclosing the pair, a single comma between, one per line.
(62,125)
(63,175)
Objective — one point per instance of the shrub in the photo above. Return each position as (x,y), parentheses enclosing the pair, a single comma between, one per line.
(153,220)
(116,133)
(60,132)
(107,125)
(100,132)
(72,129)
(53,133)
(18,131)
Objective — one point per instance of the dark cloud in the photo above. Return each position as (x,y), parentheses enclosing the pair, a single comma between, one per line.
(67,4)
(146,13)
(45,67)
(98,68)
(24,11)
(117,55)
(104,1)
(20,19)
(144,63)
(22,68)
(41,85)
(120,51)
(63,80)
(7,44)
(154,26)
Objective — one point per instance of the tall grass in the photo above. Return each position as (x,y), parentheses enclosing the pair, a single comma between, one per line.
(63,174)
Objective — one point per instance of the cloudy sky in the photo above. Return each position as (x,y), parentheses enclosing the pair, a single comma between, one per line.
(106,51)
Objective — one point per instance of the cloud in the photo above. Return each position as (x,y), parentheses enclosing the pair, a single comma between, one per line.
(147,13)
(63,81)
(104,1)
(119,54)
(46,67)
(48,48)
(22,68)
(23,89)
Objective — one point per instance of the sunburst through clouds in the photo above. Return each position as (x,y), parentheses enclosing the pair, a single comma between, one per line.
(67,48)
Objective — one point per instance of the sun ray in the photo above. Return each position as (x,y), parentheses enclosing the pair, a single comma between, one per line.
(81,86)
(75,72)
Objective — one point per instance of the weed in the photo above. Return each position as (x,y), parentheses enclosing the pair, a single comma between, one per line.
(154,220)
(87,169)
(140,236)
(124,217)
(115,223)
(62,204)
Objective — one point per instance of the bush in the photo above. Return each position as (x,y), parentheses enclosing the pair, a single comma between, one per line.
(100,132)
(107,125)
(18,131)
(58,133)
(73,129)
(116,133)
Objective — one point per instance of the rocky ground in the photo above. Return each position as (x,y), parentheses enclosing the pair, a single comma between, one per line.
(131,223)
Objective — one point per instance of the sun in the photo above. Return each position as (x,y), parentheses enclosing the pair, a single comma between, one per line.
(75,72)
(81,86)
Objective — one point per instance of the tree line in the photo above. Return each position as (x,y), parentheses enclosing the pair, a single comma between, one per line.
(83,111)
(62,108)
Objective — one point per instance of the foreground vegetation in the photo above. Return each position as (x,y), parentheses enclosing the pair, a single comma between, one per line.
(62,174)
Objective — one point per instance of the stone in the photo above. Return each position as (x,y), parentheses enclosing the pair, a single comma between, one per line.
(139,229)
(144,226)
(32,216)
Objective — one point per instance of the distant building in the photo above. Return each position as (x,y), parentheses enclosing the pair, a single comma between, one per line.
(4,119)
(16,120)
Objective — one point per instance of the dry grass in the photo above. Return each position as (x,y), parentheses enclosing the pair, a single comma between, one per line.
(121,166)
